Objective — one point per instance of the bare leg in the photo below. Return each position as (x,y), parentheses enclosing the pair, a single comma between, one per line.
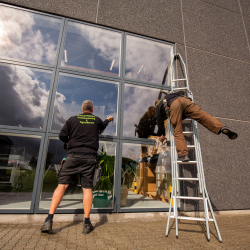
(57,197)
(87,201)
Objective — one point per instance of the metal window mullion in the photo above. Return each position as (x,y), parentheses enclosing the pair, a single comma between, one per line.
(55,80)
(88,74)
(38,173)
(147,84)
(45,122)
(116,178)
(24,63)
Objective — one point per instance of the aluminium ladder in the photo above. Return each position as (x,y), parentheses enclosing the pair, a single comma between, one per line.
(175,195)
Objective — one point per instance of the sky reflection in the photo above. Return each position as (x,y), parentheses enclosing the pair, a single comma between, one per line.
(25,96)
(92,49)
(146,60)
(28,36)
(73,90)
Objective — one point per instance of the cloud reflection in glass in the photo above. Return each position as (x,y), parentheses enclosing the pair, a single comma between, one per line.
(28,36)
(146,60)
(73,90)
(92,49)
(24,96)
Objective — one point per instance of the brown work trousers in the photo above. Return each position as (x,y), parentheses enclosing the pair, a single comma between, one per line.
(183,106)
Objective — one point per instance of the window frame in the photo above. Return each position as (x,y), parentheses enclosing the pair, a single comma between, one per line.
(46,132)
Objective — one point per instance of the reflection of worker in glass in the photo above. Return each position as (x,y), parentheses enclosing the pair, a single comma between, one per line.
(181,107)
(80,133)
(147,123)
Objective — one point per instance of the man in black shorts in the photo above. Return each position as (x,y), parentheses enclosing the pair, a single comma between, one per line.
(81,134)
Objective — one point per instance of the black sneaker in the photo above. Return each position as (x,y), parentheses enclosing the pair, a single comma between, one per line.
(226,131)
(183,158)
(87,228)
(47,226)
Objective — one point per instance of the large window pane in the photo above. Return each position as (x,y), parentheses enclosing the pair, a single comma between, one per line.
(28,36)
(146,60)
(140,113)
(24,93)
(73,90)
(18,164)
(146,176)
(92,49)
(103,192)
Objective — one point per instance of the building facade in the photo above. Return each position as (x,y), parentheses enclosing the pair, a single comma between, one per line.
(54,55)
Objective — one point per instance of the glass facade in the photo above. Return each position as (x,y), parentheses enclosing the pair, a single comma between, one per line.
(48,66)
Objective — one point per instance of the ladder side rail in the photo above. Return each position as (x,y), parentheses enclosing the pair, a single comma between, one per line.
(175,184)
(172,164)
(171,73)
(174,179)
(202,181)
(198,155)
(173,149)
(200,159)
(185,70)
(206,214)
(213,216)
(199,166)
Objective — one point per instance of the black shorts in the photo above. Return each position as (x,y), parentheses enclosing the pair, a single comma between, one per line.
(84,165)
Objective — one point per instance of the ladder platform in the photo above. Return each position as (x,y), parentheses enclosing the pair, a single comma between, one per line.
(188,179)
(189,198)
(190,218)
(187,162)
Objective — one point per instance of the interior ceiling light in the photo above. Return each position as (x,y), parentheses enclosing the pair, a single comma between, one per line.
(112,64)
(40,128)
(139,70)
(65,55)
(20,125)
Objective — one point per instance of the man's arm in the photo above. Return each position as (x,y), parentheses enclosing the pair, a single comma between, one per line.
(160,121)
(104,124)
(64,133)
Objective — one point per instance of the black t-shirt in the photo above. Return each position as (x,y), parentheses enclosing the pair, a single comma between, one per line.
(81,132)
(160,110)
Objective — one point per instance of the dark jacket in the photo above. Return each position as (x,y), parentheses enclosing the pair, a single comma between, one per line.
(160,110)
(81,132)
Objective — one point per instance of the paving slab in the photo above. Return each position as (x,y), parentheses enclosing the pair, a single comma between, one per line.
(132,234)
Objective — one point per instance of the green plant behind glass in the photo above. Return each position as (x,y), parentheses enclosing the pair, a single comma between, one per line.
(107,163)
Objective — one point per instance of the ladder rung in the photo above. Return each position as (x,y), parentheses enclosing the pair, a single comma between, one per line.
(191,146)
(187,121)
(187,132)
(188,179)
(182,79)
(190,218)
(187,162)
(189,198)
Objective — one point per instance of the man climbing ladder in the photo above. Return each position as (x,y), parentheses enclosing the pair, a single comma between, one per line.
(180,108)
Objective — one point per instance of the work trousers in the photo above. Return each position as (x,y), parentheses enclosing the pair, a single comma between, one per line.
(183,106)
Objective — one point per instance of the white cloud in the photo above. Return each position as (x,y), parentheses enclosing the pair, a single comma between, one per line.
(21,37)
